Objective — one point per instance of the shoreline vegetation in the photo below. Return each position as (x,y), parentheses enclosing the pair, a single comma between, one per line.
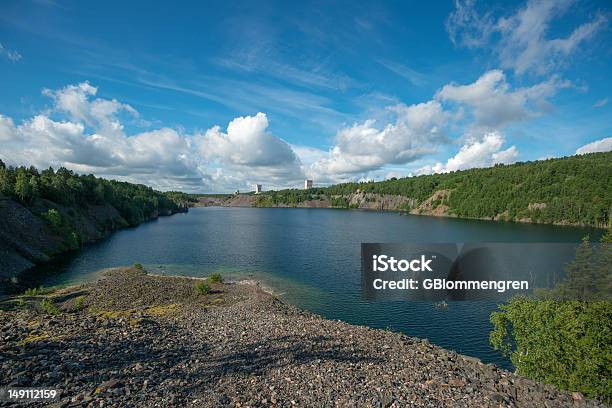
(570,191)
(131,338)
(45,213)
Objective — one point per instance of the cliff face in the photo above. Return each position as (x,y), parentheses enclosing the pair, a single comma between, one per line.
(26,239)
(435,205)
(361,200)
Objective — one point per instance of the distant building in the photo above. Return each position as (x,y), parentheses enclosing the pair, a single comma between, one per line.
(257,188)
(307,184)
(237,192)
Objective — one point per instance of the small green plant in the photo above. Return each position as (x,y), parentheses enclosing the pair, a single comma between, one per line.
(41,290)
(20,303)
(53,219)
(202,288)
(215,278)
(138,265)
(79,304)
(49,307)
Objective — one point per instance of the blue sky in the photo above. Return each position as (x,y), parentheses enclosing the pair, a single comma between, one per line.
(220,95)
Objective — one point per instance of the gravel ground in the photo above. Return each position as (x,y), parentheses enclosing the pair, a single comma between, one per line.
(137,340)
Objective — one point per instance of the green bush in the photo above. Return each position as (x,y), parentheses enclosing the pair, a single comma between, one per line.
(563,335)
(202,288)
(215,278)
(138,265)
(564,343)
(53,219)
(48,306)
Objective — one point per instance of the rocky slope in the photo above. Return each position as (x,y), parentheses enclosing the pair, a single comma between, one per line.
(132,339)
(360,200)
(27,240)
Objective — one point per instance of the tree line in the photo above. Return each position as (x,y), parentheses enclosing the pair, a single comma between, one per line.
(573,190)
(134,202)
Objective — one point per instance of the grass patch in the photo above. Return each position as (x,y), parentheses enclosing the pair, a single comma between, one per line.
(79,303)
(162,310)
(41,290)
(215,278)
(138,266)
(202,288)
(114,314)
(49,307)
(33,338)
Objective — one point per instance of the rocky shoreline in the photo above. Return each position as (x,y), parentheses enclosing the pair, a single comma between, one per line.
(375,202)
(133,339)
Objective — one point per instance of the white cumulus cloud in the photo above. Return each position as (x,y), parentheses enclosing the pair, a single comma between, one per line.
(91,139)
(484,152)
(603,145)
(416,132)
(495,104)
(248,151)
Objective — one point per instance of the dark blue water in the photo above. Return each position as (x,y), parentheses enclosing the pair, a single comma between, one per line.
(312,258)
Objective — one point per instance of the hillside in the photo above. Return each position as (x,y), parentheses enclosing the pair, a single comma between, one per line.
(574,190)
(46,213)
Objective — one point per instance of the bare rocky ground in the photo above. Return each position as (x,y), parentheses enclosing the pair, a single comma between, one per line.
(136,340)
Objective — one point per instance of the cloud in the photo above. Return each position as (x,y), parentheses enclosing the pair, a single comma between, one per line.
(603,145)
(482,107)
(89,136)
(476,153)
(247,142)
(74,100)
(495,104)
(522,42)
(466,27)
(415,78)
(417,131)
(91,139)
(12,55)
(601,103)
(249,150)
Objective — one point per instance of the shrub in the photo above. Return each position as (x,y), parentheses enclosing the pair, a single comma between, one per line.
(53,218)
(48,306)
(563,335)
(138,265)
(215,278)
(202,288)
(564,343)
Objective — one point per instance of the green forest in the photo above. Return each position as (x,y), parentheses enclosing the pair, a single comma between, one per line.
(38,189)
(572,190)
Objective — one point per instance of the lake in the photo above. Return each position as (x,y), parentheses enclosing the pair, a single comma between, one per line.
(311,257)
